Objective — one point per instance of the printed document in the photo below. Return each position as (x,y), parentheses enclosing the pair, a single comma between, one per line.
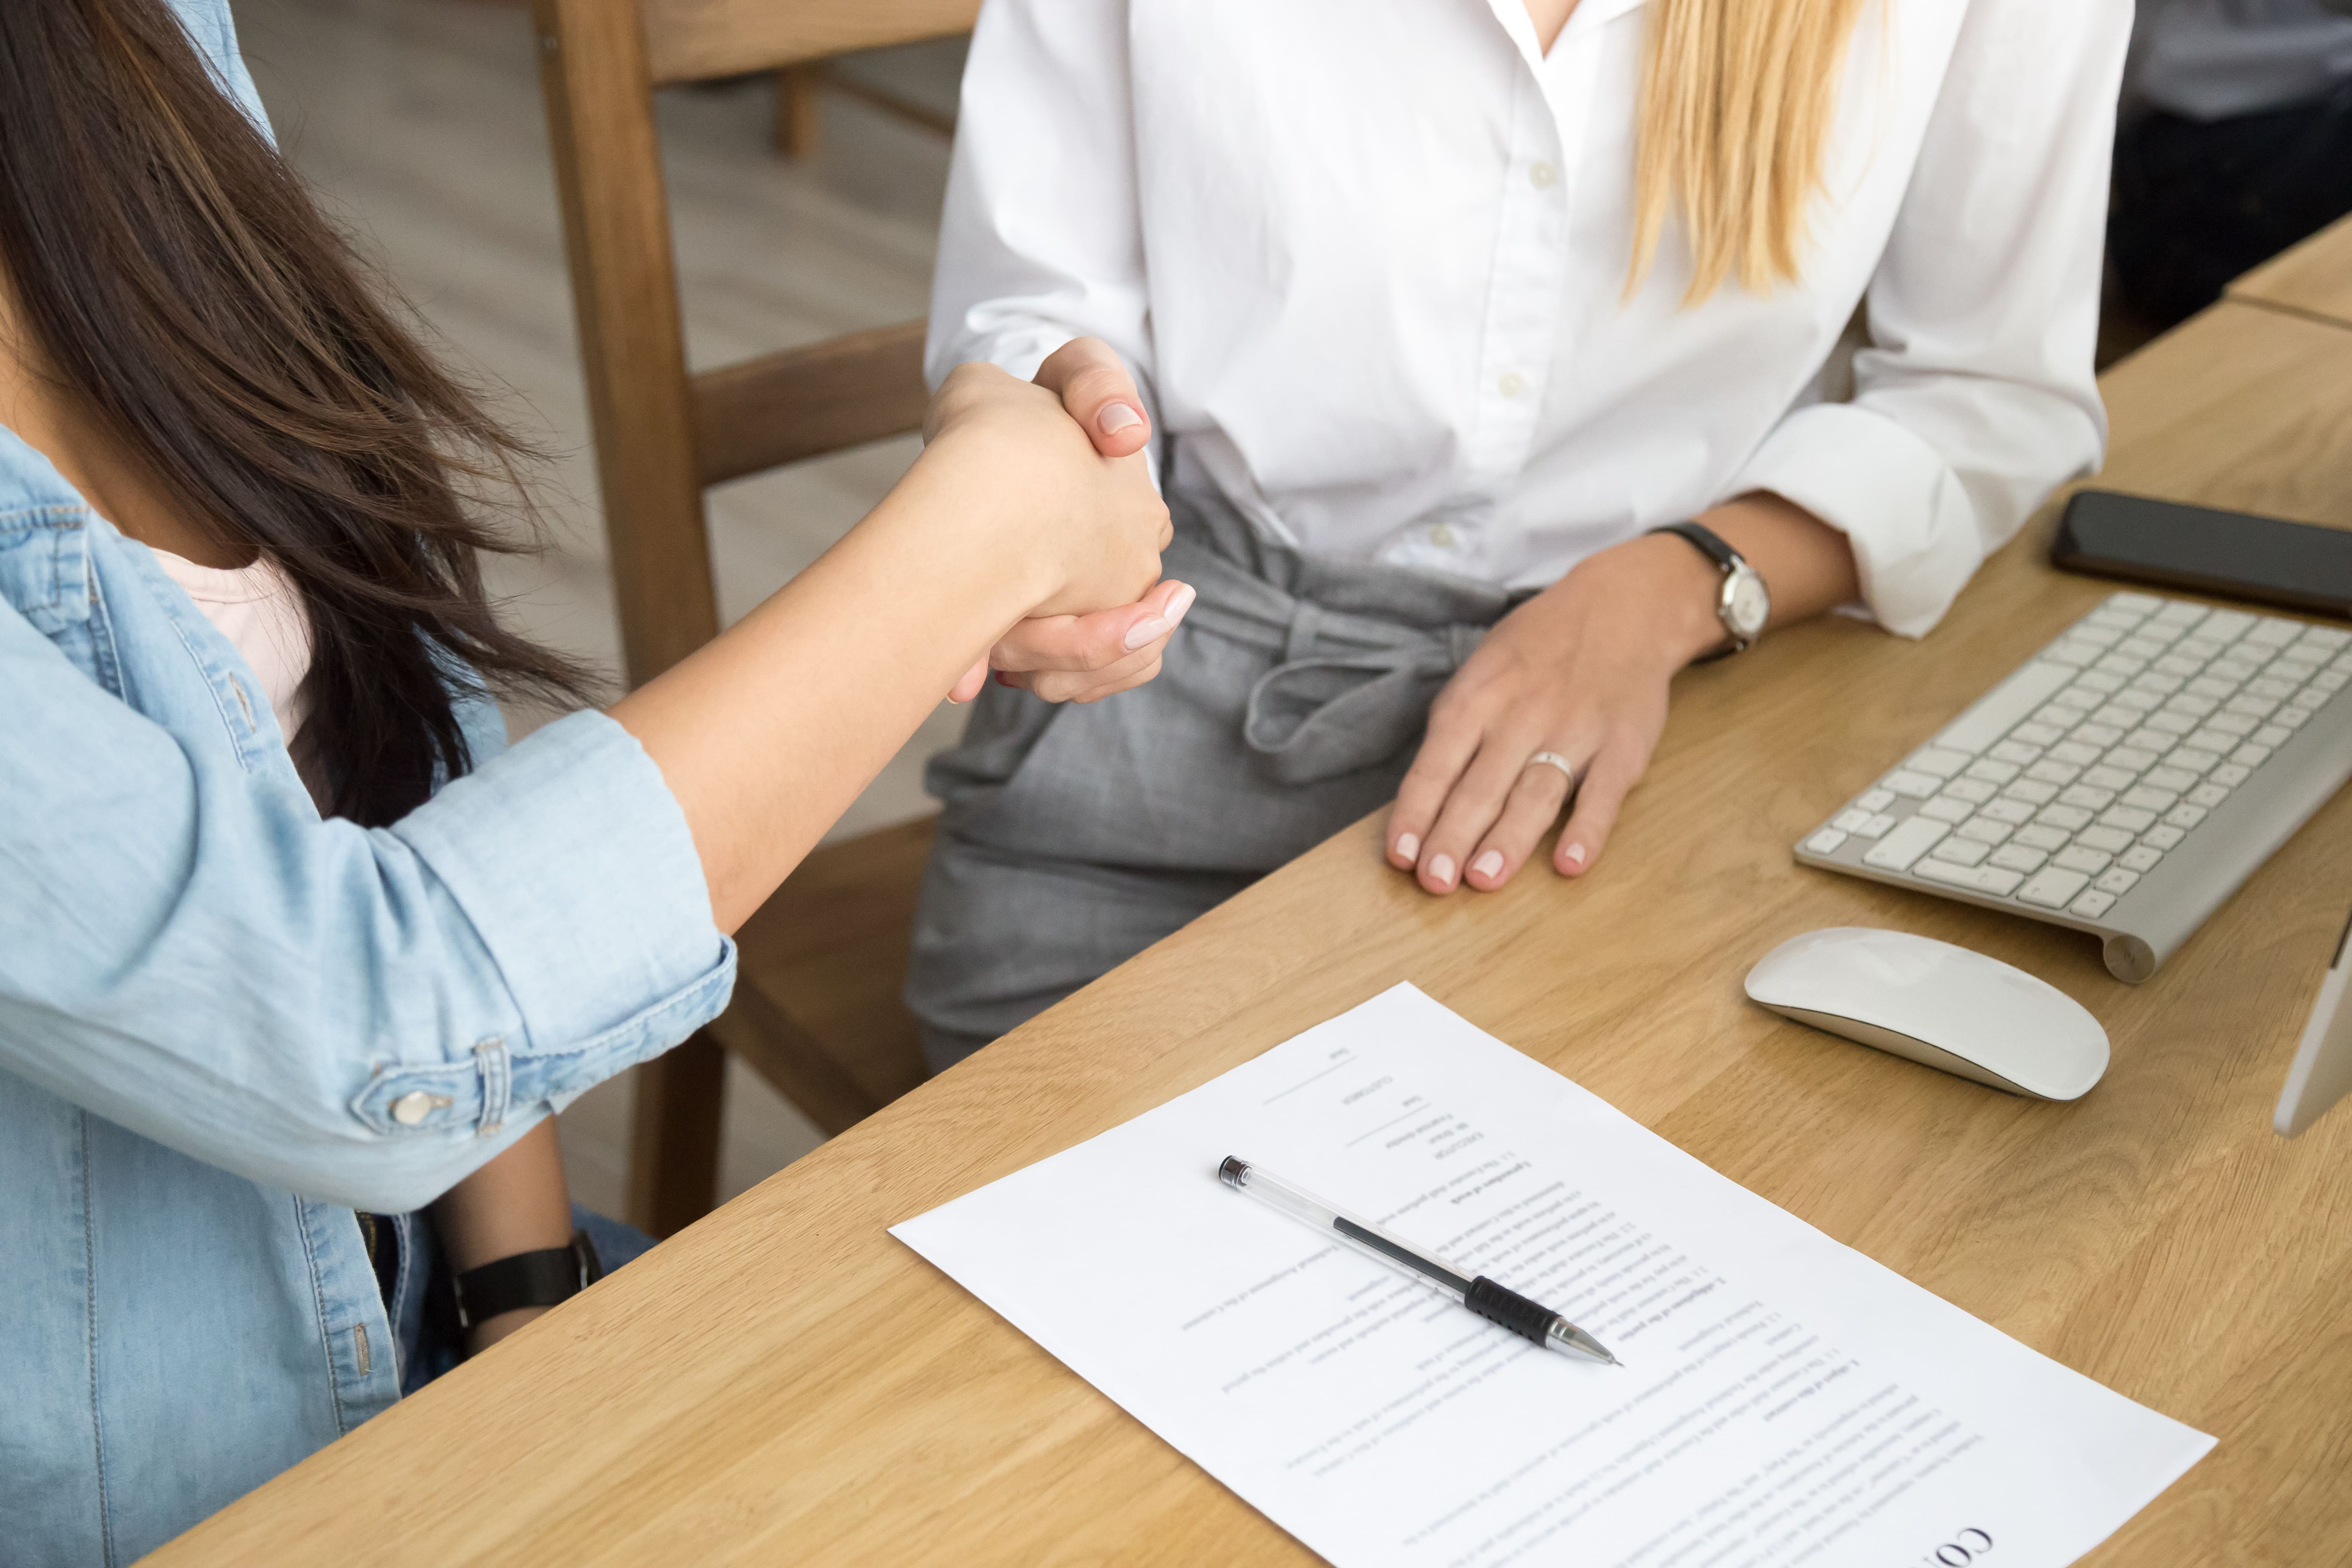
(1783,1399)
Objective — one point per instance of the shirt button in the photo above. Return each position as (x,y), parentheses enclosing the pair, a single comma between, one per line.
(1441,536)
(417,1105)
(1511,383)
(1540,176)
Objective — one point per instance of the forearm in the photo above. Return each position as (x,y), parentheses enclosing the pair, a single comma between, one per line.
(516,1203)
(768,733)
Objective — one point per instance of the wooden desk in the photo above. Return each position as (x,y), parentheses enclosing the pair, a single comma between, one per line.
(785,1382)
(2314,278)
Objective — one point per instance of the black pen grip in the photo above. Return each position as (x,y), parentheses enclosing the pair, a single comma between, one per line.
(1524,1318)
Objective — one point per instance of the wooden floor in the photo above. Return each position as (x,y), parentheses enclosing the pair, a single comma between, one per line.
(419,122)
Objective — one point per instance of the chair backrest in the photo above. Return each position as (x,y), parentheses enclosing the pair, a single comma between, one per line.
(661,434)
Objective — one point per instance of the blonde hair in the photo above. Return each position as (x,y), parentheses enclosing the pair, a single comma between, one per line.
(1736,100)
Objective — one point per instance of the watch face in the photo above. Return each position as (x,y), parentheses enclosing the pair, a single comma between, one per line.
(1745,605)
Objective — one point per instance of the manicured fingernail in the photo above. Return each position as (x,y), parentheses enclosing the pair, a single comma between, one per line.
(953,700)
(1490,864)
(1572,856)
(1178,605)
(1441,871)
(1408,847)
(1116,417)
(1151,628)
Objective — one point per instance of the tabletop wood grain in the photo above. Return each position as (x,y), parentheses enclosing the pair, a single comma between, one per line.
(785,1382)
(2314,276)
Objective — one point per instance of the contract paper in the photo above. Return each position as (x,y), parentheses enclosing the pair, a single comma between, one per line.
(1783,1399)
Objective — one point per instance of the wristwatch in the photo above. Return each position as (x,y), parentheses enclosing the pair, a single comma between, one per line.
(1744,604)
(542,1278)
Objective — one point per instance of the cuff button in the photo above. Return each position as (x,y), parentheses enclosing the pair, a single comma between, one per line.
(417,1105)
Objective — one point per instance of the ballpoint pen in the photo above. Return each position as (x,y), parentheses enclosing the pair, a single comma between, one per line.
(1528,1320)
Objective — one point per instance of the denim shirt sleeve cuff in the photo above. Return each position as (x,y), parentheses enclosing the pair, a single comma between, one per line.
(596,913)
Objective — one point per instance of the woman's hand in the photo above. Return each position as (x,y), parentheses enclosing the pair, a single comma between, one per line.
(1581,670)
(1084,659)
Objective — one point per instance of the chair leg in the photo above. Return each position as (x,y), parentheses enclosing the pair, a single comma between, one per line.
(674,1138)
(800,121)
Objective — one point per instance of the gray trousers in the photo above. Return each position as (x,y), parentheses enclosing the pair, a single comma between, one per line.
(1073,838)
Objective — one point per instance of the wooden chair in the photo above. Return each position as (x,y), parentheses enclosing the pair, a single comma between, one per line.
(816,1008)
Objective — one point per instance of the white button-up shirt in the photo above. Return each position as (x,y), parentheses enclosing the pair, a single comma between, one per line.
(1368,258)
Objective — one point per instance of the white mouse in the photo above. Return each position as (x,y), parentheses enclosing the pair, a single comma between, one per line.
(1937,1005)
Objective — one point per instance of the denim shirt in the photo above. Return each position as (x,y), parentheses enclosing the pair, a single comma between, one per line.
(224,1024)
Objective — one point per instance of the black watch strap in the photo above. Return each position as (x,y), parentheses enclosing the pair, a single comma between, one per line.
(1710,542)
(543,1279)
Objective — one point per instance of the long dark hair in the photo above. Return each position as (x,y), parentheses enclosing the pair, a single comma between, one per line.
(175,274)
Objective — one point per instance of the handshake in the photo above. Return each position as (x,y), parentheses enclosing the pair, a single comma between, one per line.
(1070,444)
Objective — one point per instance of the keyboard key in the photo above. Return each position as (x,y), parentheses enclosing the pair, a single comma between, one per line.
(2098,681)
(2129,819)
(2180,664)
(2131,759)
(1875,828)
(2184,816)
(2144,798)
(2196,759)
(2229,775)
(2141,859)
(1918,786)
(2211,685)
(2016,751)
(2069,653)
(1959,851)
(2208,795)
(1985,768)
(2114,721)
(2194,707)
(2272,687)
(2271,735)
(2327,636)
(2097,635)
(1943,809)
(2057,716)
(2074,754)
(2274,631)
(2250,756)
(2106,840)
(1905,844)
(1990,879)
(2010,811)
(2053,887)
(2033,792)
(2218,742)
(2143,646)
(1940,761)
(2091,905)
(2226,724)
(2108,778)
(2294,671)
(2171,723)
(2067,817)
(2331,679)
(2138,702)
(2293,718)
(2155,681)
(2174,779)
(2121,664)
(2050,771)
(2258,707)
(2180,613)
(2018,857)
(1969,789)
(2074,857)
(2152,741)
(1825,842)
(1850,821)
(2086,797)
(2034,734)
(2117,882)
(2225,625)
(2042,836)
(2163,837)
(2132,605)
(1985,830)
(1876,800)
(2234,669)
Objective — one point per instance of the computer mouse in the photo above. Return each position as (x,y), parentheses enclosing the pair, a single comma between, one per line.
(1937,1005)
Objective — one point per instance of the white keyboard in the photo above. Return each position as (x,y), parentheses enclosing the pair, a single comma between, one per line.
(2125,781)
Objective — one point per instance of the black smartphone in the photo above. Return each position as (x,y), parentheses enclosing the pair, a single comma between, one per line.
(2229,554)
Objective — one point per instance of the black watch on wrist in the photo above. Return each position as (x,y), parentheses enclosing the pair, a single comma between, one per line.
(543,1279)
(1744,604)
